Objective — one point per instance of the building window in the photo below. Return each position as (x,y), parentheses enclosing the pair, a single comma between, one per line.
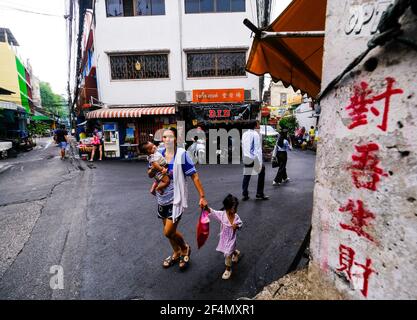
(283,98)
(127,8)
(223,5)
(139,66)
(237,5)
(114,8)
(216,64)
(150,7)
(206,6)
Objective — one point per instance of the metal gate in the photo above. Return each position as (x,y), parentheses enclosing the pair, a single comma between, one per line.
(147,126)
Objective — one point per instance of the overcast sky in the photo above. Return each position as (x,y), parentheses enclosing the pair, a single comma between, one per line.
(42,38)
(276,9)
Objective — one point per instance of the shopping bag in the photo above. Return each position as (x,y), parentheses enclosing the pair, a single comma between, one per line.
(274,162)
(203,228)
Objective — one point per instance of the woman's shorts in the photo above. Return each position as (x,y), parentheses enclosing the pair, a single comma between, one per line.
(63,145)
(165,212)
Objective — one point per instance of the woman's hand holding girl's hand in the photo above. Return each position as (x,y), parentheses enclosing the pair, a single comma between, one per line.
(203,202)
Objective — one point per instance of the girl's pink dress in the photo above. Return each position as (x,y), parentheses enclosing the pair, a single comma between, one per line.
(227,242)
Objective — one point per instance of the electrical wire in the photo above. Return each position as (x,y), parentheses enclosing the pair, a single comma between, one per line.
(32,12)
(389,29)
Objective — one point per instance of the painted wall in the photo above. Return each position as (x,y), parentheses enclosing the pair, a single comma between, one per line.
(23,86)
(36,90)
(276,89)
(8,74)
(364,236)
(304,115)
(147,33)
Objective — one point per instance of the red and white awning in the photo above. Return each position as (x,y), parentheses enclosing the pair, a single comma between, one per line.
(129,112)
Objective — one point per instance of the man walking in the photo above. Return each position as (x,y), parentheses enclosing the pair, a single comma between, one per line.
(61,138)
(252,159)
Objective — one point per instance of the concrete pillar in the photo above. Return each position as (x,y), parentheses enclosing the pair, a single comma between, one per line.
(364,235)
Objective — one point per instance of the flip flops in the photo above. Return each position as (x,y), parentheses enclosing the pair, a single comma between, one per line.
(168,262)
(185,259)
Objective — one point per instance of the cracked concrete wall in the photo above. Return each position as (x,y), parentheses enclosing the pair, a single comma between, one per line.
(364,235)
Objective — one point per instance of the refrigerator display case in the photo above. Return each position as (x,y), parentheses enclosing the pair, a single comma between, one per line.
(111,140)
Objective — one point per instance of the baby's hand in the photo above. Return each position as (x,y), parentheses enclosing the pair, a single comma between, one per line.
(164,170)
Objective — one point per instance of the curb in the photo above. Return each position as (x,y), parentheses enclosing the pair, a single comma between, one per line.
(5,168)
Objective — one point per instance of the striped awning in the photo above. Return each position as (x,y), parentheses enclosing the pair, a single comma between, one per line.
(129,112)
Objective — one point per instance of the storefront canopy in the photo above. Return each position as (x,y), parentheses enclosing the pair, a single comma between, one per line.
(129,112)
(296,61)
(4,91)
(41,117)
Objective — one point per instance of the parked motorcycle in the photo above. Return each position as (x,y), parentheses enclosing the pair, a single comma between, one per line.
(197,151)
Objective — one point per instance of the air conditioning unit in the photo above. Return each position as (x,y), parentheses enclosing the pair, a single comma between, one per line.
(183,96)
(248,95)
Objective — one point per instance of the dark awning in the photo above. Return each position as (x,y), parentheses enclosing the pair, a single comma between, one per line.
(6,34)
(296,61)
(5,91)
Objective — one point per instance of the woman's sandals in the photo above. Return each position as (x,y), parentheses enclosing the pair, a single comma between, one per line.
(185,259)
(170,261)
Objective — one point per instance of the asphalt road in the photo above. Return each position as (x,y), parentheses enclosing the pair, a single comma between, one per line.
(99,222)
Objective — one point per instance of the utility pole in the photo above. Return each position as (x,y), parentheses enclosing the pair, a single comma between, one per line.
(264,13)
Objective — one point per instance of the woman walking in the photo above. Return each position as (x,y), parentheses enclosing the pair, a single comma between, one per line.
(97,144)
(173,201)
(280,152)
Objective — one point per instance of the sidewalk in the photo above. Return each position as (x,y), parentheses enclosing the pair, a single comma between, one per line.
(4,167)
(297,286)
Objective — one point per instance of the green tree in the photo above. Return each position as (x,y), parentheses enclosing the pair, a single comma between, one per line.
(38,128)
(53,102)
(290,123)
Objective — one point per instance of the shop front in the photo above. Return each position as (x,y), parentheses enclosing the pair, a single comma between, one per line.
(218,108)
(14,121)
(125,128)
(219,116)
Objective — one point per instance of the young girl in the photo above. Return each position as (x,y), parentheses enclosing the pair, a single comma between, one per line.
(229,223)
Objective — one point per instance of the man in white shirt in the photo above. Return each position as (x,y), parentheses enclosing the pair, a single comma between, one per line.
(252,159)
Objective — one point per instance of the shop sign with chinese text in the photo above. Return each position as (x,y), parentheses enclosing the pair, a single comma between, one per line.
(218,95)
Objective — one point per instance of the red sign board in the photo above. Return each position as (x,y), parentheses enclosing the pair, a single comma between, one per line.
(219,95)
(219,113)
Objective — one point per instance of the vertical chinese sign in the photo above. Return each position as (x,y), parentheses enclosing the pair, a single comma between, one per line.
(365,199)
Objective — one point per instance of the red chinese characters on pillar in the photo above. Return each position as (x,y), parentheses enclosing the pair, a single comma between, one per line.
(362,102)
(365,170)
(358,105)
(360,217)
(387,97)
(347,261)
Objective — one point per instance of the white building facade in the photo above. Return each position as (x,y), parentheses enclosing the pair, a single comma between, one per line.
(157,62)
(188,43)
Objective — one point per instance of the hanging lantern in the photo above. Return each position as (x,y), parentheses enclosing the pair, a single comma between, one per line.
(138,66)
(265,112)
